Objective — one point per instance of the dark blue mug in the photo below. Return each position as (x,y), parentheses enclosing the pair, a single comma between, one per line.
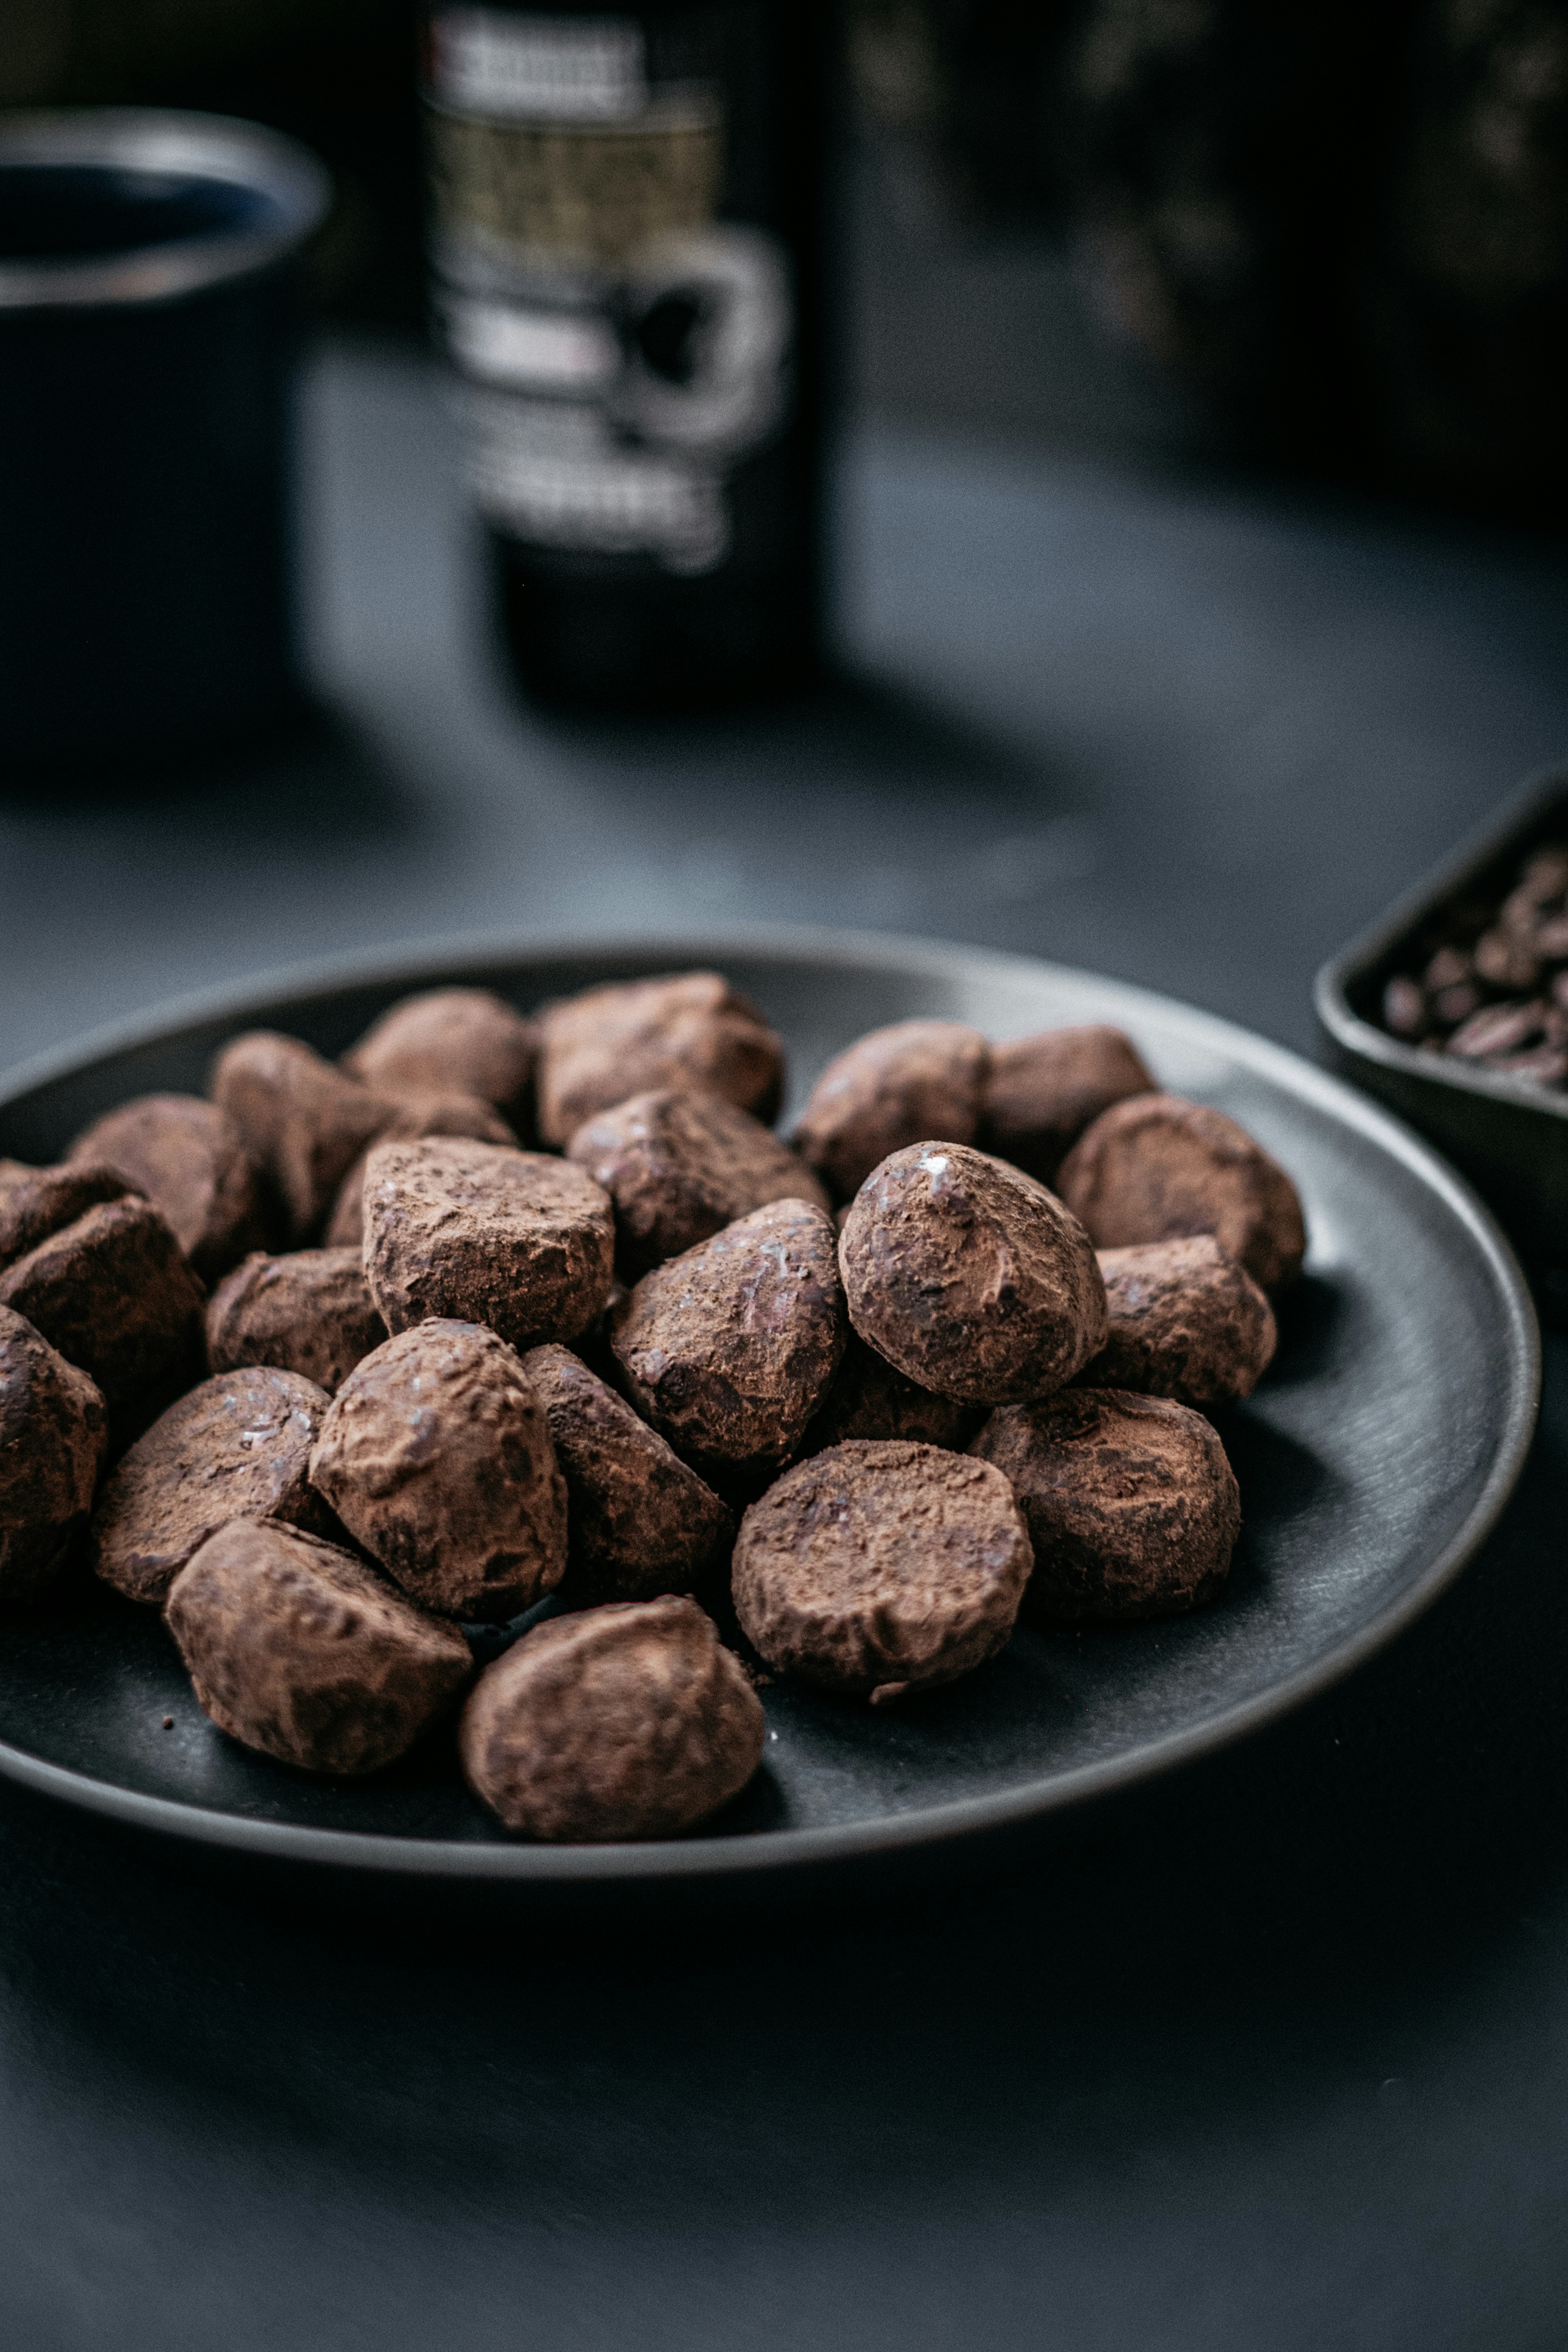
(149,300)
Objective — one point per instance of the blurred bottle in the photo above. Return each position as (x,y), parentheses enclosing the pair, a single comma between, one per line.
(626,243)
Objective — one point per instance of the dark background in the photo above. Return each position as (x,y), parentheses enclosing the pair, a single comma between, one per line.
(1276,2056)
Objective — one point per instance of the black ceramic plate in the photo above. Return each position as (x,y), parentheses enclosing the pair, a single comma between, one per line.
(1372,1461)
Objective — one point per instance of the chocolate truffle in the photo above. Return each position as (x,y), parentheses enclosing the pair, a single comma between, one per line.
(190,1160)
(1041,1093)
(1156,1169)
(452,1040)
(488,1234)
(53,1431)
(239,1447)
(881,1567)
(1186,1322)
(37,1201)
(308,1312)
(436,1456)
(639,1521)
(969,1276)
(297,1648)
(416,1116)
(113,1293)
(625,1722)
(681,1166)
(305,1122)
(729,1349)
(691,1029)
(889,1090)
(1130,1503)
(870,1398)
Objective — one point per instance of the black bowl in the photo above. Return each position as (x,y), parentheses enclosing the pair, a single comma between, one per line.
(1510,1138)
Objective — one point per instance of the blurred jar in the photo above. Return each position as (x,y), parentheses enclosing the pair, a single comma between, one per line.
(626,245)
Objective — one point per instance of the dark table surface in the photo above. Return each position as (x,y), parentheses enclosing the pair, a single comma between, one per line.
(1276,2056)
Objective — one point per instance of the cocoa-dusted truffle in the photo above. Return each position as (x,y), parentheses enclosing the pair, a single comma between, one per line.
(191,1161)
(639,1521)
(436,1456)
(514,1239)
(1041,1092)
(691,1029)
(305,1122)
(1157,1169)
(236,1447)
(870,1398)
(53,1431)
(416,1116)
(620,1723)
(452,1040)
(297,1648)
(889,1090)
(729,1348)
(113,1293)
(680,1166)
(881,1567)
(308,1312)
(969,1276)
(1186,1322)
(37,1201)
(1130,1503)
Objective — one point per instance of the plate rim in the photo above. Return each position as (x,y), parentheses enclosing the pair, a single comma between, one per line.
(425,962)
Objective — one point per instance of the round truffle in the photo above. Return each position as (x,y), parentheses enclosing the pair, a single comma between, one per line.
(304,1121)
(870,1398)
(729,1349)
(620,1723)
(298,1649)
(691,1029)
(1156,1169)
(881,1567)
(308,1312)
(681,1166)
(239,1447)
(190,1160)
(638,1520)
(113,1293)
(889,1090)
(436,1456)
(53,1433)
(1132,1506)
(1186,1322)
(969,1276)
(1041,1092)
(37,1201)
(487,1235)
(416,1116)
(452,1040)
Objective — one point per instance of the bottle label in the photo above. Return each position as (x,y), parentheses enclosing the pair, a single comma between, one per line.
(624,346)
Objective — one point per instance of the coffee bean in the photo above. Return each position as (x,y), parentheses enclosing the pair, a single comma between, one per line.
(1546,1064)
(1507,960)
(1456,1003)
(1405,1007)
(1499,1029)
(1448,969)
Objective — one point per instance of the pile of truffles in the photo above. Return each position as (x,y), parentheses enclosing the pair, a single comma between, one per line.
(1489,984)
(355,1359)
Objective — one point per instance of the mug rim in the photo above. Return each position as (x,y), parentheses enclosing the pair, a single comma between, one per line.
(215,147)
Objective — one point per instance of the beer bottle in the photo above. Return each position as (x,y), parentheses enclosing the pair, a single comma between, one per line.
(626,276)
